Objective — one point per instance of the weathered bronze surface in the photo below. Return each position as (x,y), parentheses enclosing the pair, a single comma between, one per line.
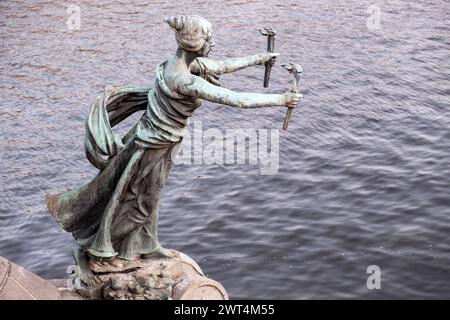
(297,71)
(116,214)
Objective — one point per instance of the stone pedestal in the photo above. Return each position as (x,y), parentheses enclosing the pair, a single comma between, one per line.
(16,283)
(178,278)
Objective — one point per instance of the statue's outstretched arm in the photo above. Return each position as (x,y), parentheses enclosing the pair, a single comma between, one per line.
(229,65)
(200,88)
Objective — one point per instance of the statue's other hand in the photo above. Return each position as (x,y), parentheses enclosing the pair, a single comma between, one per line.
(291,99)
(270,57)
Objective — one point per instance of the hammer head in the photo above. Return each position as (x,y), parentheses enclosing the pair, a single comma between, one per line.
(293,68)
(268,31)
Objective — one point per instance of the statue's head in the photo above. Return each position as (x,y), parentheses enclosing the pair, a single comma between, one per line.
(193,33)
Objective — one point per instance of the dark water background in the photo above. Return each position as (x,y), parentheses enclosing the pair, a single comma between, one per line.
(364,173)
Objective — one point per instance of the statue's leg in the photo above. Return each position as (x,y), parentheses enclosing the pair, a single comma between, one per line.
(134,230)
(158,178)
(86,275)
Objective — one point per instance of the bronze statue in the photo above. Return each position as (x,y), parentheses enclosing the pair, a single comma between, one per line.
(116,214)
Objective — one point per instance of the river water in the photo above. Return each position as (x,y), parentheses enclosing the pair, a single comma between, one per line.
(364,169)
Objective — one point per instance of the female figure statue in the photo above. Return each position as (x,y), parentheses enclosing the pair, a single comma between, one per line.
(116,214)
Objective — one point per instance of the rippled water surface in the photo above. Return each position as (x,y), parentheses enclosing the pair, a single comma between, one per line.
(364,173)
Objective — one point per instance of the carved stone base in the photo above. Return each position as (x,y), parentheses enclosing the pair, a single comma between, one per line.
(178,278)
(144,279)
(155,278)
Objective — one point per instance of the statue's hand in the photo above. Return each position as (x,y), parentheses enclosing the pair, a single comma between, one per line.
(270,57)
(291,99)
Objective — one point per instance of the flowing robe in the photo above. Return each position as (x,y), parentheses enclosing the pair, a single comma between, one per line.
(116,214)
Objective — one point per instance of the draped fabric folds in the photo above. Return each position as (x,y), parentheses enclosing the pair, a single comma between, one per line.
(105,112)
(116,214)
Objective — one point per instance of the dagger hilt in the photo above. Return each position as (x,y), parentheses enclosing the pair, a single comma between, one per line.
(297,71)
(270,33)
